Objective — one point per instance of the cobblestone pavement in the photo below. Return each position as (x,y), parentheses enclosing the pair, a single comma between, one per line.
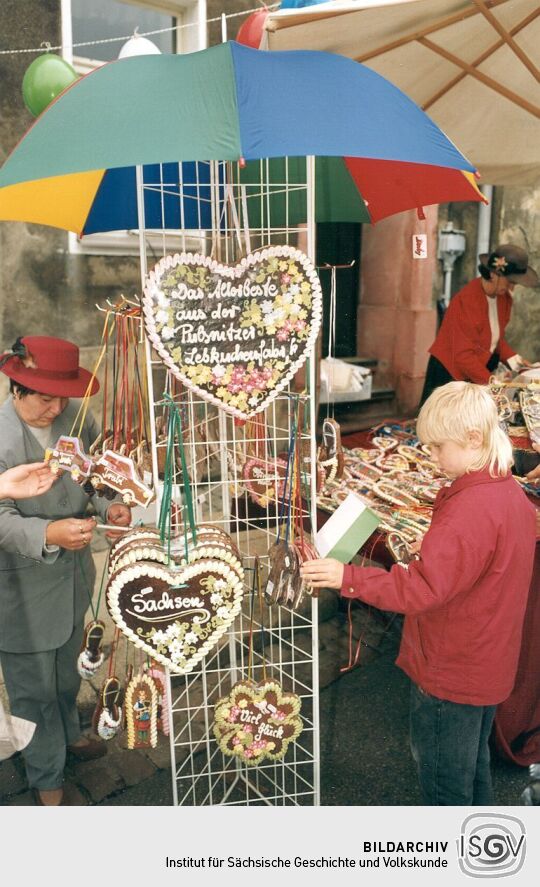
(365,758)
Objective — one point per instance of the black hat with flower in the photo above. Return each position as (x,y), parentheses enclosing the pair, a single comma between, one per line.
(510,261)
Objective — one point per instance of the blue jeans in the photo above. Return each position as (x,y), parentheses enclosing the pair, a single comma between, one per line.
(449,742)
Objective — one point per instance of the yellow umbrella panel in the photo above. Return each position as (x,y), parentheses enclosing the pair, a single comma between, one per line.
(59,201)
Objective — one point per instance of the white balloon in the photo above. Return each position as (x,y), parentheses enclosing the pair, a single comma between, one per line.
(138,46)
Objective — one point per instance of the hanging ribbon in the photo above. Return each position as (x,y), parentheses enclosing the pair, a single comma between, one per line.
(105,382)
(125,414)
(355,658)
(142,423)
(256,436)
(298,514)
(79,420)
(114,649)
(305,475)
(287,486)
(331,338)
(94,608)
(174,434)
(256,591)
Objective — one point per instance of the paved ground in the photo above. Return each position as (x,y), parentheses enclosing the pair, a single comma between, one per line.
(365,759)
(364,741)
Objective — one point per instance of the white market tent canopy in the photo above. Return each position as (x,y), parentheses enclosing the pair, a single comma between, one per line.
(471,64)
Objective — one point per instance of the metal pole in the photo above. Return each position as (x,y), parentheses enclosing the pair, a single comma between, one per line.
(484,221)
(153,437)
(311,251)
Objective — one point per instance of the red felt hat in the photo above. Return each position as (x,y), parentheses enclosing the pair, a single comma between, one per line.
(48,366)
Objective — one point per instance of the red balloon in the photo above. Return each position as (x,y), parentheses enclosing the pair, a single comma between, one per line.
(251,31)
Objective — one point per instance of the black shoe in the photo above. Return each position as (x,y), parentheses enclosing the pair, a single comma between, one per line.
(94,748)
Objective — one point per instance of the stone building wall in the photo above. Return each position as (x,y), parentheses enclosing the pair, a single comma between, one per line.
(520,223)
(45,289)
(515,219)
(396,317)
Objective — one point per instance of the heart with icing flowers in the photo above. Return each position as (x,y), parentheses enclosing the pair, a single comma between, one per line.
(257,721)
(234,335)
(175,614)
(265,479)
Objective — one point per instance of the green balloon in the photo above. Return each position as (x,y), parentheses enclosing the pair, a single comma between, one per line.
(44,79)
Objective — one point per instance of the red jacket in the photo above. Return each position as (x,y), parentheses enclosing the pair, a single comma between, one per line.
(465,598)
(463,341)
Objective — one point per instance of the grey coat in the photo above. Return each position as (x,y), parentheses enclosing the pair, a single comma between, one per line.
(42,596)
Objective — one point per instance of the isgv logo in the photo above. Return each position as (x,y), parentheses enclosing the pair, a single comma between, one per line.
(491,845)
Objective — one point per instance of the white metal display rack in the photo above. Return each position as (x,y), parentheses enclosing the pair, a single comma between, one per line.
(284,642)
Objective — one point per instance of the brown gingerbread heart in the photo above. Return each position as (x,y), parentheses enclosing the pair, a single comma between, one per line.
(175,614)
(265,479)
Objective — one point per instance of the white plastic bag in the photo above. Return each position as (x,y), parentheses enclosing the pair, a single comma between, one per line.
(338,376)
(15,733)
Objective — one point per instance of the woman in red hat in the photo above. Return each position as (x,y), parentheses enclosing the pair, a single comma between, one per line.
(47,569)
(470,342)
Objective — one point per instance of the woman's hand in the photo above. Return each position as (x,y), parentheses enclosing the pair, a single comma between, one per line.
(534,475)
(119,515)
(323,573)
(72,533)
(25,481)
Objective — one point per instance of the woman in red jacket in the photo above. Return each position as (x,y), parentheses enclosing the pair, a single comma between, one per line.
(464,598)
(470,342)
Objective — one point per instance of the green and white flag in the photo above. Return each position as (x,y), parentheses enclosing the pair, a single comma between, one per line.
(346,531)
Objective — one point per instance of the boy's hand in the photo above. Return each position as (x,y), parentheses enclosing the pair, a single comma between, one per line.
(323,573)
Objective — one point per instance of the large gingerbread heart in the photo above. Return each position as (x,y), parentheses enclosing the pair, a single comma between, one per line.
(177,615)
(257,721)
(236,336)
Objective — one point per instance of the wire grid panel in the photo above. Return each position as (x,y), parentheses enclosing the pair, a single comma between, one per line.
(274,642)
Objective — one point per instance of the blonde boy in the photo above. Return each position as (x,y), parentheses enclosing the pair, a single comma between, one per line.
(464,598)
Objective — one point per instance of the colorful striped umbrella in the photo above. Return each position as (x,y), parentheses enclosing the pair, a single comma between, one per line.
(74,168)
